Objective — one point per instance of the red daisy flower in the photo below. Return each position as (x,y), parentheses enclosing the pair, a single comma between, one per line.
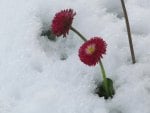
(91,51)
(62,22)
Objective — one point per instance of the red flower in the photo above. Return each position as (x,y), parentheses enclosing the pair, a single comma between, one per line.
(62,22)
(91,51)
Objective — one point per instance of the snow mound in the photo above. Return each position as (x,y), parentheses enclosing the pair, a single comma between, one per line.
(36,79)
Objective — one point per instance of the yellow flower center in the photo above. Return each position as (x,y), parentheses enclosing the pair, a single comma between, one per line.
(90,49)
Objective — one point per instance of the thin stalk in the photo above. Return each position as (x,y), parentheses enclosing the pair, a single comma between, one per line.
(100,62)
(78,33)
(104,77)
(129,31)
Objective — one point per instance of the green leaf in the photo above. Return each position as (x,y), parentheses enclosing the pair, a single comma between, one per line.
(100,90)
(49,35)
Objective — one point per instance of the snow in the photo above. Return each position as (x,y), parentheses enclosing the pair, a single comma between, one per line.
(34,79)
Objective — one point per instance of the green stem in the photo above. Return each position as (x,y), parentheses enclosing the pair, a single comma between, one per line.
(104,77)
(78,33)
(100,62)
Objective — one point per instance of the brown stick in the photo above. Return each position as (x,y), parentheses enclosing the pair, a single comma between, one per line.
(129,31)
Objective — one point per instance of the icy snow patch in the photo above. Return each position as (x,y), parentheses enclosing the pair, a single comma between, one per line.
(33,77)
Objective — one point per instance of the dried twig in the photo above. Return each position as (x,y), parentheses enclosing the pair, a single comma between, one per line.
(129,31)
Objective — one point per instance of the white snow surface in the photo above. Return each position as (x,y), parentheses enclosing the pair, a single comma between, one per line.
(34,79)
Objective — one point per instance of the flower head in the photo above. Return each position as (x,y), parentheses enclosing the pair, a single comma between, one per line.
(62,22)
(92,50)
